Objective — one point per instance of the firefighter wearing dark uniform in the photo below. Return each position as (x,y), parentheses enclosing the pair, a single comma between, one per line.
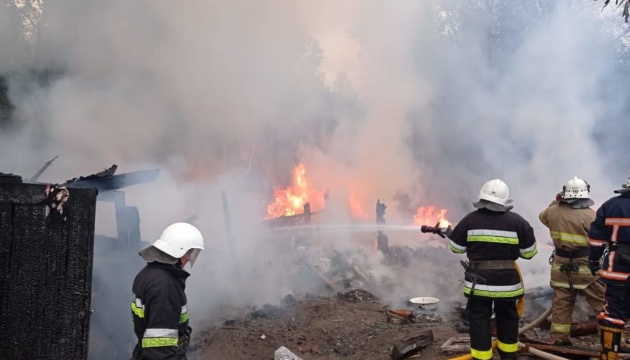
(493,238)
(569,219)
(159,306)
(609,238)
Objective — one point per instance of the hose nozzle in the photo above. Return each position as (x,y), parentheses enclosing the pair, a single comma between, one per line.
(432,229)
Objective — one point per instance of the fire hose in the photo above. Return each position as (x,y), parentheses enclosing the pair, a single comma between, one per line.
(519,308)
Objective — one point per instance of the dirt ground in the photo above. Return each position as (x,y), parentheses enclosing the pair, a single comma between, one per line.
(336,327)
(318,328)
(353,323)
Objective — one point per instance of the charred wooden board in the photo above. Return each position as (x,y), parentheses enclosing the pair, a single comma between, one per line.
(45,273)
(412,345)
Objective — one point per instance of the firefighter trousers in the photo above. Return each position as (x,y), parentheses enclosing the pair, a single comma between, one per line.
(615,311)
(564,303)
(479,318)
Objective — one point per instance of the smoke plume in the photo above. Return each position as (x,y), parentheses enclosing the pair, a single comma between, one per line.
(411,102)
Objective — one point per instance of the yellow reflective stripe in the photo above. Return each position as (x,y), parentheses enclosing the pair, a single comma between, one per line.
(508,348)
(582,269)
(493,239)
(158,342)
(457,249)
(572,238)
(183,318)
(137,310)
(529,254)
(565,285)
(481,354)
(560,328)
(495,294)
(500,233)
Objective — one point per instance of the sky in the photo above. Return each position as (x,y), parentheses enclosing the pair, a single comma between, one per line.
(414,103)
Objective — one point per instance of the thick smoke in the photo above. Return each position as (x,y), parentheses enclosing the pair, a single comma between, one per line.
(414,103)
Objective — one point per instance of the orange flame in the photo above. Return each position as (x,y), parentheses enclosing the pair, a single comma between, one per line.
(430,216)
(356,208)
(290,200)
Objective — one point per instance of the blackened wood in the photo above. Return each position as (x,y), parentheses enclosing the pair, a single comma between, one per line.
(45,273)
(107,182)
(412,345)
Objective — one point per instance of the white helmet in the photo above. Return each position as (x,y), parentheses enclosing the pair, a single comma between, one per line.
(495,191)
(177,239)
(576,188)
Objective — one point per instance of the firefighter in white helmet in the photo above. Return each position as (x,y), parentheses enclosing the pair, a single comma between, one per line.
(159,306)
(568,219)
(493,237)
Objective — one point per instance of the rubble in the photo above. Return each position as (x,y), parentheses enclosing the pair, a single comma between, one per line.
(282,353)
(399,316)
(357,295)
(404,316)
(268,312)
(412,345)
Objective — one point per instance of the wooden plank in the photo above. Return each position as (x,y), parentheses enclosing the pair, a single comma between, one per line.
(46,263)
(456,345)
(17,193)
(411,345)
(565,350)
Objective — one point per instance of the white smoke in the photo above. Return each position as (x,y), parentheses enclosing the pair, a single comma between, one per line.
(422,101)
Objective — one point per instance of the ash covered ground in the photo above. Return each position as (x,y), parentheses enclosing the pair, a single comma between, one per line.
(327,303)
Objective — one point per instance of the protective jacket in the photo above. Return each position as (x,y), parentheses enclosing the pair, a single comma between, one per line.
(612,228)
(568,228)
(501,237)
(160,315)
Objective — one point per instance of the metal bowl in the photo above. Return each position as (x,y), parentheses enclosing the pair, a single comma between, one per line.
(425,302)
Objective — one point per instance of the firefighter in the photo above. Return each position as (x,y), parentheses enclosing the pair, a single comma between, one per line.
(609,238)
(493,237)
(569,218)
(159,306)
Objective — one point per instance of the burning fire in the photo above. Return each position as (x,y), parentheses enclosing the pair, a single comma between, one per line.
(356,208)
(290,200)
(430,216)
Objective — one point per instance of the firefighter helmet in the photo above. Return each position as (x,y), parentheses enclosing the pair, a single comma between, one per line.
(625,188)
(495,191)
(178,238)
(576,188)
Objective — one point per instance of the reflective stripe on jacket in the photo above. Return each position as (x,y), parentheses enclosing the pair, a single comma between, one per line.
(487,235)
(159,310)
(611,225)
(568,228)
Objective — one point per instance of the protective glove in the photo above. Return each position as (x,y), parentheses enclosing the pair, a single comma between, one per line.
(594,266)
(559,197)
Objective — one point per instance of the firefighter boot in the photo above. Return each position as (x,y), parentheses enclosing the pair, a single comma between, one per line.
(610,339)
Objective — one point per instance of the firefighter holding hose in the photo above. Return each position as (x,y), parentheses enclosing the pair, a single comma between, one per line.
(493,237)
(609,238)
(569,218)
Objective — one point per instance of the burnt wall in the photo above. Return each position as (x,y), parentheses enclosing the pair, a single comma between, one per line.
(6,108)
(45,271)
